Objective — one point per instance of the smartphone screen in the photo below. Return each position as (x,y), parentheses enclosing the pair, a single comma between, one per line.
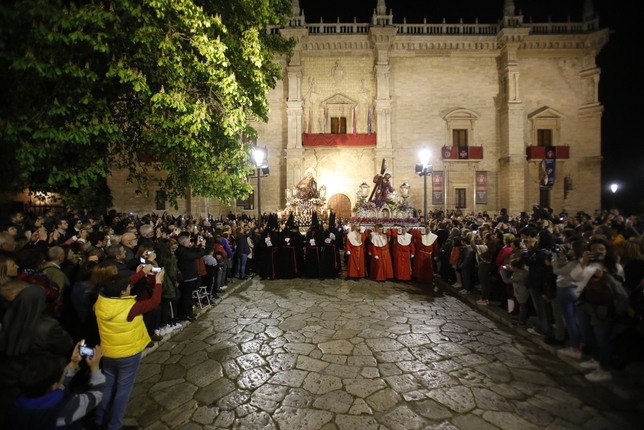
(142,260)
(86,351)
(156,270)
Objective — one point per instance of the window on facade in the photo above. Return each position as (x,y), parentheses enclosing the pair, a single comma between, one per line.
(338,125)
(247,203)
(459,137)
(544,137)
(461,200)
(160,200)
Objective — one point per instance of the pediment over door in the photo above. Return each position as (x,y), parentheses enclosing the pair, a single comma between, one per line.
(339,105)
(339,99)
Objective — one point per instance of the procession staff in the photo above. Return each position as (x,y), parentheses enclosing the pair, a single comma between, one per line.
(403,251)
(354,246)
(380,267)
(426,251)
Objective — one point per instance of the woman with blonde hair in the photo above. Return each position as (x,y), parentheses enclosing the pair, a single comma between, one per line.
(632,260)
(8,269)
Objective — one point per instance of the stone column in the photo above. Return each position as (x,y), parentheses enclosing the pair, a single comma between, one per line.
(382,38)
(587,178)
(512,164)
(294,102)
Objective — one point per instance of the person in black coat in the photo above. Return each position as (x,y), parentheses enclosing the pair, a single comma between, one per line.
(313,249)
(332,265)
(187,255)
(269,249)
(290,252)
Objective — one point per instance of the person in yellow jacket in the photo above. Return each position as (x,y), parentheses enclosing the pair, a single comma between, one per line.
(123,338)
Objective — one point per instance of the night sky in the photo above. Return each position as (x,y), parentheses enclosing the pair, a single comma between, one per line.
(620,60)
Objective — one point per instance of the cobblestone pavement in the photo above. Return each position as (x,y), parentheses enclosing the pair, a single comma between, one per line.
(308,354)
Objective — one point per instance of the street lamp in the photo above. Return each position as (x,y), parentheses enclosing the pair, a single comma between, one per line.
(260,156)
(424,169)
(363,192)
(404,191)
(614,188)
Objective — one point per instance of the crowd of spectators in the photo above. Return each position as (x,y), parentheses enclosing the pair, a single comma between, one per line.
(111,284)
(574,280)
(116,284)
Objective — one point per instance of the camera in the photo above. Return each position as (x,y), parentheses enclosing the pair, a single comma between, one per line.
(598,256)
(156,270)
(85,351)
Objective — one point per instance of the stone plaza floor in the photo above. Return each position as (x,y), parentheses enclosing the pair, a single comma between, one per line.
(309,354)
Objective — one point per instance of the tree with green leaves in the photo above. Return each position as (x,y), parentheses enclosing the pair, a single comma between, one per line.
(163,88)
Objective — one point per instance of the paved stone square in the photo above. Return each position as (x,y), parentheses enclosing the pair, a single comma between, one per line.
(335,354)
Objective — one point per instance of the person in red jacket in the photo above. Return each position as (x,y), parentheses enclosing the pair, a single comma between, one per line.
(403,250)
(426,251)
(380,268)
(354,247)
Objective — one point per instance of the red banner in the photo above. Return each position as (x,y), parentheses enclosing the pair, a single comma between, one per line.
(309,140)
(462,153)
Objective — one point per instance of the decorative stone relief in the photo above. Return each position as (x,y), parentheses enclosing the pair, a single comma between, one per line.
(337,72)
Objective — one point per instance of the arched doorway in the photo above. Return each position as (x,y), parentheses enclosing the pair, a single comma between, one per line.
(341,205)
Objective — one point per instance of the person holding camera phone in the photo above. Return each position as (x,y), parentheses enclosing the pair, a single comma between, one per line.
(123,338)
(599,272)
(45,401)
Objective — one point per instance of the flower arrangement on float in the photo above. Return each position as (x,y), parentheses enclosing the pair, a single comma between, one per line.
(384,212)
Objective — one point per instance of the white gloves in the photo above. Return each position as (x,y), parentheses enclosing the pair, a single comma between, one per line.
(312,242)
(287,240)
(331,236)
(348,253)
(268,241)
(327,240)
(376,257)
(412,255)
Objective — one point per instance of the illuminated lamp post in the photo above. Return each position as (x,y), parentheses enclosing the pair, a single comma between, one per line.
(260,156)
(424,169)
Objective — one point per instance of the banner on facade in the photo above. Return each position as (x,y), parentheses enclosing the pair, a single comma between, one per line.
(481,187)
(548,168)
(438,188)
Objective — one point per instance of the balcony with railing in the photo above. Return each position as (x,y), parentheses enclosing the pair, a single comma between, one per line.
(539,152)
(449,153)
(444,28)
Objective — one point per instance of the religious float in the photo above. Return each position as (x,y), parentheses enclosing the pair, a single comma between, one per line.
(382,206)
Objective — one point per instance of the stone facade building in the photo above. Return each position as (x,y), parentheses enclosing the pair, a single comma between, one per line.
(490,101)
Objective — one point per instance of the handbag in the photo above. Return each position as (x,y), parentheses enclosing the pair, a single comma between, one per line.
(599,292)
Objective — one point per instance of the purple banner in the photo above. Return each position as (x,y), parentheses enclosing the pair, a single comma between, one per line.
(438,188)
(481,187)
(547,175)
